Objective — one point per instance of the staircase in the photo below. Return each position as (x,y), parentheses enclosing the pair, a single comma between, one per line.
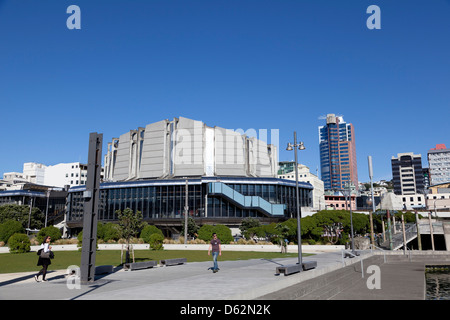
(326,286)
(397,237)
(246,202)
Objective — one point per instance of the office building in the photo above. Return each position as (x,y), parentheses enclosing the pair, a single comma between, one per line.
(287,171)
(439,164)
(337,153)
(407,174)
(59,175)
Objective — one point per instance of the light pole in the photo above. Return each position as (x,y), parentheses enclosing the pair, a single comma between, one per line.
(46,208)
(291,147)
(351,216)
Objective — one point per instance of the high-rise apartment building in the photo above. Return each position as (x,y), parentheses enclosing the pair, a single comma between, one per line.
(337,153)
(439,164)
(407,174)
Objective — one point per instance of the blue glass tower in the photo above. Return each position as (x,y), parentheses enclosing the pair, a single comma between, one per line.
(337,153)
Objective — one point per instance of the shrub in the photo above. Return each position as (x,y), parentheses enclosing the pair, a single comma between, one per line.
(205,232)
(156,241)
(148,231)
(111,231)
(8,228)
(223,233)
(51,231)
(19,243)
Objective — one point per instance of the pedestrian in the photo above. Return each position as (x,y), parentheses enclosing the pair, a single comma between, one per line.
(44,258)
(216,249)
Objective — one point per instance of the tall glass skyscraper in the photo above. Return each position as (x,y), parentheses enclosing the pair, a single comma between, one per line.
(337,153)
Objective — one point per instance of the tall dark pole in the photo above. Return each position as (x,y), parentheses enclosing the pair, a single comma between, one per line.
(351,217)
(186,212)
(91,201)
(299,212)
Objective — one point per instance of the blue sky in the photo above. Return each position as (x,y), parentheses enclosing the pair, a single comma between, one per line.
(247,64)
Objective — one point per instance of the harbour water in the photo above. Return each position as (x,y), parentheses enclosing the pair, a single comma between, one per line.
(438,285)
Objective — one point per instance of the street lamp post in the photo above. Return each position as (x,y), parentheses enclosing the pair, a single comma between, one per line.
(351,217)
(291,147)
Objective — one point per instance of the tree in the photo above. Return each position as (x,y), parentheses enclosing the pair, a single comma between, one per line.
(51,231)
(19,243)
(249,226)
(223,233)
(130,225)
(283,233)
(156,241)
(192,227)
(148,231)
(8,228)
(21,213)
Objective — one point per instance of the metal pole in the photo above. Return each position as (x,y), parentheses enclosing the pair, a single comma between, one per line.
(431,231)
(29,215)
(419,240)
(186,210)
(388,218)
(46,209)
(373,201)
(404,235)
(351,216)
(299,214)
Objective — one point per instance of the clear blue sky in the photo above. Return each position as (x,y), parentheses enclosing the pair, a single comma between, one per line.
(249,64)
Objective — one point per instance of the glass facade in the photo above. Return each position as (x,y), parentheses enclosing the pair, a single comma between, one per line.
(337,154)
(162,200)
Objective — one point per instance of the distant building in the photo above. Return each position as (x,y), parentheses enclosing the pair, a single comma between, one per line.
(439,197)
(287,171)
(407,174)
(337,153)
(439,164)
(224,175)
(60,175)
(337,200)
(66,174)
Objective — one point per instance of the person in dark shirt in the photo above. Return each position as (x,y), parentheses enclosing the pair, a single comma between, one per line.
(216,249)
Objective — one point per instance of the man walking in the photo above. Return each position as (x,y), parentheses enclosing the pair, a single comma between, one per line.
(216,249)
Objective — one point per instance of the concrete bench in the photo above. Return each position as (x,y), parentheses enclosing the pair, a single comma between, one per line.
(173,262)
(103,269)
(139,265)
(294,268)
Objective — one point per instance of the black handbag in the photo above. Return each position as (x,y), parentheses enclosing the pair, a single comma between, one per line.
(45,255)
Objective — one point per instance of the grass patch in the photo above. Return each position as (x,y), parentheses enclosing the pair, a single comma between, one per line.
(25,262)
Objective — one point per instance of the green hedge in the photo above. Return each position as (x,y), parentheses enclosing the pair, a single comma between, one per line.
(51,231)
(223,233)
(19,243)
(148,231)
(8,228)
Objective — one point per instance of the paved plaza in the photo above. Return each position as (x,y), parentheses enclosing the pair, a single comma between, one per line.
(236,280)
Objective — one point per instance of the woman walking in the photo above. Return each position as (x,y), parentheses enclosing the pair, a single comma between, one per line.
(44,258)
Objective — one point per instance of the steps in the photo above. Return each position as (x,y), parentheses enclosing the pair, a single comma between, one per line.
(325,286)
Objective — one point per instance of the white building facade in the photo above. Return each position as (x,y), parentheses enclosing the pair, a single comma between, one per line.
(439,164)
(60,175)
(305,175)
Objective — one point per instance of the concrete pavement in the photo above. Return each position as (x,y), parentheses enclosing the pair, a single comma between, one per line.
(237,280)
(247,279)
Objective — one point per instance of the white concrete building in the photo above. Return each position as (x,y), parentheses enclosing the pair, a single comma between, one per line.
(304,175)
(60,175)
(34,172)
(439,164)
(66,174)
